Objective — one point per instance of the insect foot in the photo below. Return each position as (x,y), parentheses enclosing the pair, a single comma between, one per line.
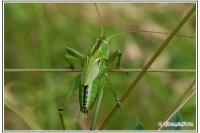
(83,115)
(60,110)
(120,104)
(126,73)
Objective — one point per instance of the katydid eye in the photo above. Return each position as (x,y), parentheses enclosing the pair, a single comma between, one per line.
(98,62)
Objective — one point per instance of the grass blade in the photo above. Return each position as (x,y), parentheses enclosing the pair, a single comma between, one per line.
(23,115)
(178,108)
(181,102)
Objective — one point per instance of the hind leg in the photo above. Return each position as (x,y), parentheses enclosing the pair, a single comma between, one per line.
(98,103)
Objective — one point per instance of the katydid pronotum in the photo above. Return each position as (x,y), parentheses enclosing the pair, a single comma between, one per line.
(91,81)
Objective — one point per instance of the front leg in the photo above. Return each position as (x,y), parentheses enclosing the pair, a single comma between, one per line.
(72,60)
(73,57)
(116,55)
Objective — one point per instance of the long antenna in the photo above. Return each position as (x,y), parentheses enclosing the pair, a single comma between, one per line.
(134,31)
(99,18)
(147,31)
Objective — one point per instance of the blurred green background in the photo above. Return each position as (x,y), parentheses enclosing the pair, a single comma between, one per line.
(35,36)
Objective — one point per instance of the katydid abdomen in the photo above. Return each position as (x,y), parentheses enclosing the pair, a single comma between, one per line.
(93,72)
(87,96)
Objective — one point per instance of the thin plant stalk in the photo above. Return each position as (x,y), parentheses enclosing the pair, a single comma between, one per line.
(165,33)
(146,67)
(62,120)
(110,70)
(188,91)
(178,108)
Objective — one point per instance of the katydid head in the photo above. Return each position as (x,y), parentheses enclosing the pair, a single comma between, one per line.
(101,49)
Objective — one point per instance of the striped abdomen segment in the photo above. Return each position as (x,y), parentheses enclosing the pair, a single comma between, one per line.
(87,96)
